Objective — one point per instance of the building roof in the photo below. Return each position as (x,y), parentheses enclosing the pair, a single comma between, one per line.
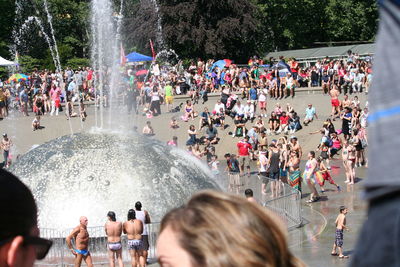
(321,52)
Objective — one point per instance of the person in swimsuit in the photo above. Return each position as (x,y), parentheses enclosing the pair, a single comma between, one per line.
(113,231)
(349,159)
(274,163)
(324,175)
(189,110)
(334,93)
(309,176)
(133,228)
(6,146)
(81,236)
(294,170)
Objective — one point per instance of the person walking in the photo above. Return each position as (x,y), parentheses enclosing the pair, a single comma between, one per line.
(340,226)
(81,240)
(309,176)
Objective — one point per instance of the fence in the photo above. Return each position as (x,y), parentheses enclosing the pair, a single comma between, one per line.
(60,255)
(285,203)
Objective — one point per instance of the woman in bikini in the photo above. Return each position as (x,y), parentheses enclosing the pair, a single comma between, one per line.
(349,159)
(189,110)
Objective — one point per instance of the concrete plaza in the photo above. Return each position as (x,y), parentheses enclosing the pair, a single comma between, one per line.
(312,242)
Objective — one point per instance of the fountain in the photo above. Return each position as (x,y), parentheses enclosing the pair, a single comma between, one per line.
(91,173)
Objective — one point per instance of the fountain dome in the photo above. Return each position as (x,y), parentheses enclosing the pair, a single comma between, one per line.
(92,173)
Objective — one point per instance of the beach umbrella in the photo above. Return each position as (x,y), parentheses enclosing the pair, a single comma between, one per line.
(221,63)
(17,77)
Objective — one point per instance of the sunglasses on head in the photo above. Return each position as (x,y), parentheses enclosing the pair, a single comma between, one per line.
(42,246)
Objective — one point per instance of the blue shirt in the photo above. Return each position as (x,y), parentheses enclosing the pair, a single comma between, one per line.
(310,112)
(253,94)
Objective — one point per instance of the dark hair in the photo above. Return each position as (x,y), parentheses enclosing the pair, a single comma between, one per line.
(131,214)
(138,205)
(312,153)
(18,205)
(248,192)
(227,155)
(111,215)
(342,208)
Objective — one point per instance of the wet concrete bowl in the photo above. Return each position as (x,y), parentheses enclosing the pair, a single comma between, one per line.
(92,173)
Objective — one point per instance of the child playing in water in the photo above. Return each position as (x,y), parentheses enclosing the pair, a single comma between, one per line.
(82,110)
(340,226)
(173,123)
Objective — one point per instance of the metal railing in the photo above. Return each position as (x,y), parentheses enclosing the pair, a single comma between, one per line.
(285,203)
(60,255)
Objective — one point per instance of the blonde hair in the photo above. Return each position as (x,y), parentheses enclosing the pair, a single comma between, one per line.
(222,230)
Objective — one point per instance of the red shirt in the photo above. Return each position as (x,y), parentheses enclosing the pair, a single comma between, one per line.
(284,120)
(243,148)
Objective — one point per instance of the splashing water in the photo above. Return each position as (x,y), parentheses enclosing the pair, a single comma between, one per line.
(49,20)
(159,32)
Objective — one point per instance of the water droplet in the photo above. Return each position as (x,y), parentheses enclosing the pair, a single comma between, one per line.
(155,180)
(90,178)
(106,182)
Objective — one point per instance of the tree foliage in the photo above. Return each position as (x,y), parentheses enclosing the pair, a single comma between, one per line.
(233,29)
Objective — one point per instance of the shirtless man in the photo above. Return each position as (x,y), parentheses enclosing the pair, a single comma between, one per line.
(81,236)
(113,231)
(334,93)
(346,102)
(134,229)
(340,226)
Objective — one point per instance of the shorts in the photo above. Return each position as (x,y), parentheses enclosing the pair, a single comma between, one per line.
(83,252)
(274,175)
(244,160)
(324,155)
(2,104)
(282,173)
(262,104)
(135,244)
(234,179)
(339,238)
(145,242)
(169,99)
(335,102)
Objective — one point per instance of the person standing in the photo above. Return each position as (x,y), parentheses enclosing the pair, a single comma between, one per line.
(155,102)
(294,170)
(244,149)
(169,97)
(334,93)
(6,146)
(274,171)
(81,236)
(133,228)
(113,231)
(144,217)
(233,169)
(340,226)
(24,99)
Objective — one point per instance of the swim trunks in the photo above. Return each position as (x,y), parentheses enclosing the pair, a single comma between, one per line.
(134,244)
(335,102)
(114,246)
(83,252)
(339,238)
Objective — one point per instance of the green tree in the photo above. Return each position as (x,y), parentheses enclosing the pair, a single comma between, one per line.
(351,20)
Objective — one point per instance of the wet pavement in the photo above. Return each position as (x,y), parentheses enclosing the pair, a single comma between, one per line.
(312,242)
